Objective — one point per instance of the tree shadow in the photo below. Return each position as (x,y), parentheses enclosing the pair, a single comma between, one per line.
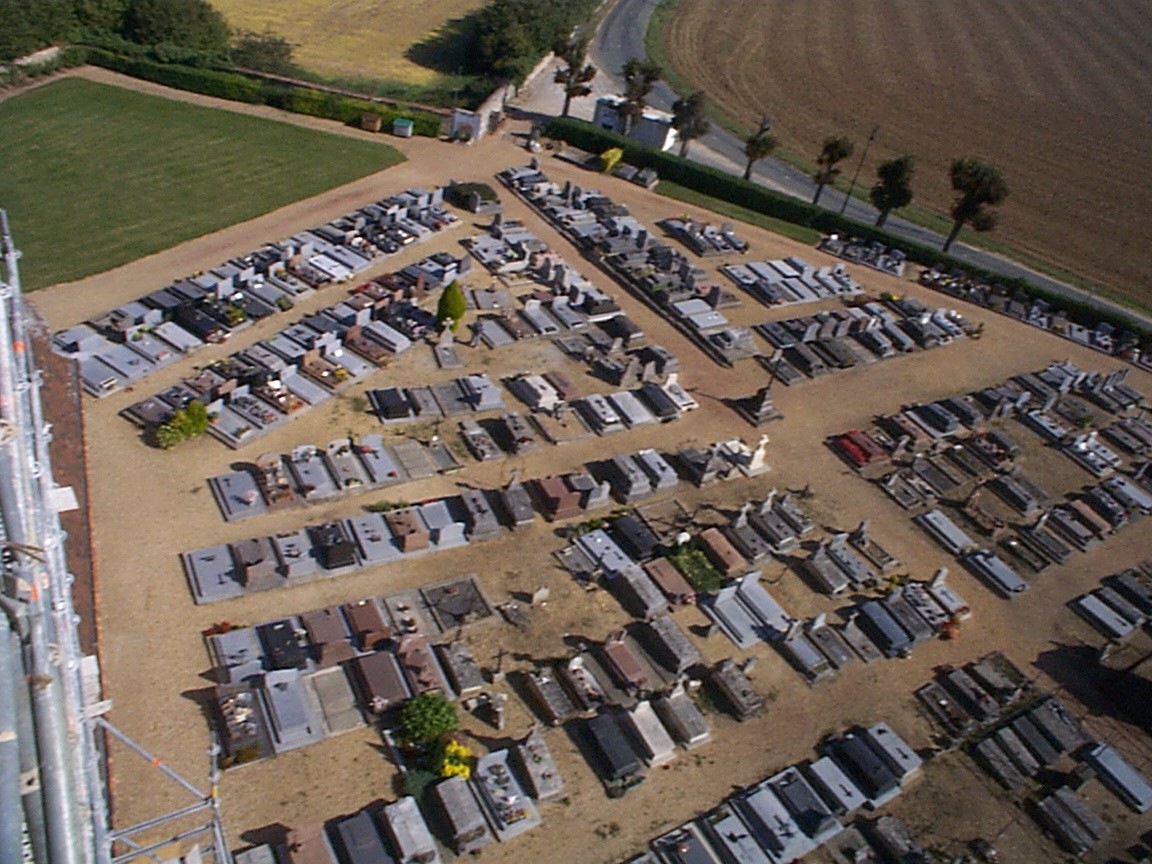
(450,50)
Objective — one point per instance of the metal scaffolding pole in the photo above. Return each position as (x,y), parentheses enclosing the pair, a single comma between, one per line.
(38,578)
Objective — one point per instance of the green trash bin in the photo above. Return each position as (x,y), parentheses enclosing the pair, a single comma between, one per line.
(402,128)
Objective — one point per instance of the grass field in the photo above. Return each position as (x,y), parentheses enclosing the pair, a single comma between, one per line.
(1055,94)
(95,176)
(356,38)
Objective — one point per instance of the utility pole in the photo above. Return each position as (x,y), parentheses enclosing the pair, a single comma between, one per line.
(859,165)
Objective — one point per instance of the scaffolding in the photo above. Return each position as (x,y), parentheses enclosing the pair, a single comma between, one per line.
(51,729)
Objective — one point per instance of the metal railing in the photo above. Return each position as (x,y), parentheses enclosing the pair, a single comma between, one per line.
(50,760)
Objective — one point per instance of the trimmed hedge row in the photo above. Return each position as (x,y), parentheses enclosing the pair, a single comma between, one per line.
(728,187)
(254,91)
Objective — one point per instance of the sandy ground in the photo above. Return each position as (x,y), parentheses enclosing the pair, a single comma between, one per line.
(1050,94)
(148,505)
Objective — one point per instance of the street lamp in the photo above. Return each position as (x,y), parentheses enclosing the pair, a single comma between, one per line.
(855,177)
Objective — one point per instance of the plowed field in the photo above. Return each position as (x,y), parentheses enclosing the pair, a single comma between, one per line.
(1056,94)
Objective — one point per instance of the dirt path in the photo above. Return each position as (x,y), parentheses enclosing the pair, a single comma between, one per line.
(147,506)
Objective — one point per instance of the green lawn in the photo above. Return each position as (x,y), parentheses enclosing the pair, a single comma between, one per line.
(94,176)
(802,233)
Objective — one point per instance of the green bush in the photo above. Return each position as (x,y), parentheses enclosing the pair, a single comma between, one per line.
(427,718)
(744,193)
(190,421)
(239,87)
(452,305)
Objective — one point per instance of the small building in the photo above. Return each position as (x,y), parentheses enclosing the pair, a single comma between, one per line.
(328,636)
(622,662)
(467,830)
(636,538)
(409,833)
(539,768)
(616,761)
(334,548)
(805,806)
(835,786)
(879,626)
(730,836)
(721,552)
(557,499)
(550,697)
(510,810)
(771,823)
(682,718)
(362,841)
(868,771)
(894,750)
(732,684)
(670,581)
(652,129)
(291,717)
(1125,782)
(637,592)
(517,505)
(381,683)
(462,669)
(655,744)
(670,646)
(370,630)
(480,518)
(282,647)
(409,529)
(893,840)
(420,666)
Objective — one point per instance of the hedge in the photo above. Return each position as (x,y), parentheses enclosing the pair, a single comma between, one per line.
(238,87)
(728,187)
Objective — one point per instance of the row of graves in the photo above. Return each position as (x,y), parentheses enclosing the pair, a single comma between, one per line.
(1033,746)
(293,681)
(813,805)
(128,343)
(870,253)
(941,461)
(1122,606)
(651,270)
(343,467)
(499,801)
(890,625)
(790,281)
(1043,314)
(260,387)
(705,240)
(558,301)
(812,346)
(372,539)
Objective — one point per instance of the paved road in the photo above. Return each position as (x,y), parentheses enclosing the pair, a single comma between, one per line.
(621,37)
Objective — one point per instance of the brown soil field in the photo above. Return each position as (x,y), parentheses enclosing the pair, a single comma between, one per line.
(353,38)
(148,505)
(1056,95)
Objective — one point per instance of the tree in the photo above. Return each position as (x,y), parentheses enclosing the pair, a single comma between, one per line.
(759,145)
(640,76)
(105,15)
(452,306)
(427,719)
(895,187)
(835,151)
(576,76)
(690,120)
(264,52)
(980,186)
(187,23)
